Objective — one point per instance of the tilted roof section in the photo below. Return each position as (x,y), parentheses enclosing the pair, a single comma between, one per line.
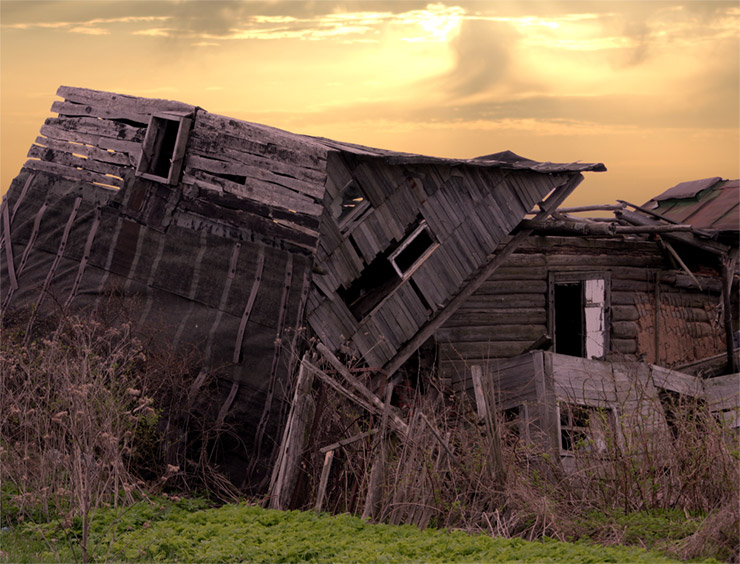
(710,204)
(503,159)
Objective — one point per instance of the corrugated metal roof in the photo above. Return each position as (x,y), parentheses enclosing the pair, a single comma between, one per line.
(711,204)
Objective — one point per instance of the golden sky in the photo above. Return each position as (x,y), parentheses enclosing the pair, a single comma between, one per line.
(649,88)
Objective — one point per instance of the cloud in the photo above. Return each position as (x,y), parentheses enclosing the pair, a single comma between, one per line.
(88,26)
(88,30)
(482,52)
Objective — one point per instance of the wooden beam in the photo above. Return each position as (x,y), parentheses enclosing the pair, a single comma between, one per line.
(686,238)
(576,227)
(480,398)
(324,377)
(494,261)
(324,480)
(601,207)
(729,262)
(675,255)
(288,465)
(376,402)
(348,441)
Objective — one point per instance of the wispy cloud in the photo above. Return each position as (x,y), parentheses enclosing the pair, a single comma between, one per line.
(89,27)
(88,30)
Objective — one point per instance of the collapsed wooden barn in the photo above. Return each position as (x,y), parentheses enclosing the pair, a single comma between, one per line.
(628,313)
(227,236)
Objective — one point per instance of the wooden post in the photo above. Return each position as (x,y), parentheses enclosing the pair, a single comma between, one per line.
(288,464)
(324,481)
(363,390)
(657,317)
(728,266)
(375,485)
(480,399)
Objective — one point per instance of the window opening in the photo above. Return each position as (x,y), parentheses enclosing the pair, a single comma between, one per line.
(578,309)
(669,400)
(569,319)
(388,270)
(163,149)
(514,422)
(682,411)
(583,427)
(349,206)
(414,249)
(377,280)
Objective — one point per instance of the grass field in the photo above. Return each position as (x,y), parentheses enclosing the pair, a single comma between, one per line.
(189,531)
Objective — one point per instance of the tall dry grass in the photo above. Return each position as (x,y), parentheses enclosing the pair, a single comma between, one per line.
(453,470)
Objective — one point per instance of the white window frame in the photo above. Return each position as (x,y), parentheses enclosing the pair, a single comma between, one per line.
(596,307)
(417,263)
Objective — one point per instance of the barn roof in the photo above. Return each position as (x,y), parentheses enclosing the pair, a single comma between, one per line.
(710,204)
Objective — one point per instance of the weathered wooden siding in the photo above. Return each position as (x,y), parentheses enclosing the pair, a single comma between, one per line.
(469,210)
(510,311)
(219,261)
(626,394)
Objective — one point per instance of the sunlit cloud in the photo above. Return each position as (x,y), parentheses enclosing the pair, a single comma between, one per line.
(89,30)
(86,27)
(155,32)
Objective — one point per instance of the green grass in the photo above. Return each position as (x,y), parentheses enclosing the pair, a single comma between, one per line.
(188,531)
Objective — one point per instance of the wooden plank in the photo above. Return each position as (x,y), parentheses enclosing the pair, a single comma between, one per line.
(219,195)
(197,214)
(390,222)
(101,127)
(433,292)
(396,310)
(288,464)
(684,384)
(71,109)
(495,286)
(483,302)
(68,159)
(383,346)
(324,480)
(312,193)
(363,391)
(367,347)
(75,174)
(472,242)
(209,141)
(262,192)
(408,297)
(439,224)
(480,398)
(91,152)
(370,182)
(129,103)
(492,318)
(205,147)
(513,332)
(262,140)
(133,148)
(475,352)
(723,392)
(389,330)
